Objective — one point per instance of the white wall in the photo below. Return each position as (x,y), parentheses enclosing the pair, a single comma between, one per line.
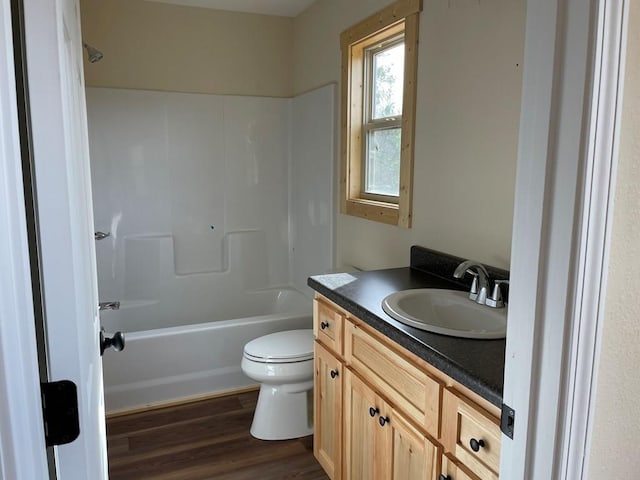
(469,80)
(311,207)
(616,430)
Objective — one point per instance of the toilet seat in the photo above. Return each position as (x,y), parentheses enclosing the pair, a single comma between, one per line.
(282,347)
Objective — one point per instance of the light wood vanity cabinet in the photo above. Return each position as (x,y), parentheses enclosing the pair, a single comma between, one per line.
(383,413)
(452,470)
(327,440)
(379,441)
(327,326)
(394,376)
(471,434)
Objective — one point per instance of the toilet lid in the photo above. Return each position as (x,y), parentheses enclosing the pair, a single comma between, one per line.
(289,346)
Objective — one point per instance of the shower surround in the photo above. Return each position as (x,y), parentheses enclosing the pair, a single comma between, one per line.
(218,208)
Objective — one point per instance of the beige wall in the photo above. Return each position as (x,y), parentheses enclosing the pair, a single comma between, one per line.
(156,46)
(470,68)
(469,82)
(615,452)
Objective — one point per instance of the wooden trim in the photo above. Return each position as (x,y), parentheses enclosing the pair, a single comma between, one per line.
(353,114)
(405,200)
(355,101)
(394,13)
(372,210)
(181,401)
(403,16)
(345,143)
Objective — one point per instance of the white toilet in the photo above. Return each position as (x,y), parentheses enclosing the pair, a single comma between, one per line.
(283,363)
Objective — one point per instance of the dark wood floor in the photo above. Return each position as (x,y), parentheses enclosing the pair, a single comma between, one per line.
(204,440)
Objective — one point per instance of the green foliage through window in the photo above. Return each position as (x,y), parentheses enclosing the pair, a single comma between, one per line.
(385,67)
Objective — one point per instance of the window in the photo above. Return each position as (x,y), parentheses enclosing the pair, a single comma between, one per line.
(382,125)
(379,60)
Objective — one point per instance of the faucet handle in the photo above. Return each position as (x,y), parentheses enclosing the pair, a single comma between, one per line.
(495,300)
(473,292)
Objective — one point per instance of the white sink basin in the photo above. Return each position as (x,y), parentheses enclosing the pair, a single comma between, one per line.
(447,312)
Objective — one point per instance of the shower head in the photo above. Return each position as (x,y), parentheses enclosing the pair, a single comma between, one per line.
(93,54)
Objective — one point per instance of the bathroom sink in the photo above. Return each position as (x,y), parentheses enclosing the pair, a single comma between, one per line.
(447,312)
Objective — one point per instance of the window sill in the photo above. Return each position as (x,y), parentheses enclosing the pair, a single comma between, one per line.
(372,210)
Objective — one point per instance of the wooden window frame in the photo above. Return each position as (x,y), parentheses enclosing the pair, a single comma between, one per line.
(400,17)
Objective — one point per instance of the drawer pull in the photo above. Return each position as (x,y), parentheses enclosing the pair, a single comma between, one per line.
(373,411)
(476,445)
(443,477)
(334,373)
(324,325)
(383,420)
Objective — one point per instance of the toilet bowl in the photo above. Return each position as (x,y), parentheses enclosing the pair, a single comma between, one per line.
(283,364)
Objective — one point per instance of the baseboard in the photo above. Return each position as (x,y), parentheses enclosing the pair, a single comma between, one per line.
(180,401)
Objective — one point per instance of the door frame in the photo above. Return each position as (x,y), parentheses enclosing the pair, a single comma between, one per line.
(22,445)
(552,259)
(582,357)
(567,153)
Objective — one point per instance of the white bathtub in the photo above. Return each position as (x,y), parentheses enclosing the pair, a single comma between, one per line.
(170,363)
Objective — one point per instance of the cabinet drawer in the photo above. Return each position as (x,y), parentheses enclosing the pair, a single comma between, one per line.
(328,326)
(472,435)
(412,391)
(451,470)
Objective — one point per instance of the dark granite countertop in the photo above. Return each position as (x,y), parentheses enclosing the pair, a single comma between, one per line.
(476,364)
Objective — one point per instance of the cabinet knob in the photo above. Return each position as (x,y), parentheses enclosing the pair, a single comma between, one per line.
(383,420)
(443,477)
(476,445)
(324,325)
(334,373)
(373,411)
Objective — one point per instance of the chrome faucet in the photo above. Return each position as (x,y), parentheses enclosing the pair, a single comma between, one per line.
(480,285)
(109,306)
(495,300)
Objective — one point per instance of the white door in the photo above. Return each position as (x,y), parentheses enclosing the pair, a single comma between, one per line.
(63,190)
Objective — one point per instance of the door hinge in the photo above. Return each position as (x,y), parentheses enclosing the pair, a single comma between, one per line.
(60,412)
(507,420)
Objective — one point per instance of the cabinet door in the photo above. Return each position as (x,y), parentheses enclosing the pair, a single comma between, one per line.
(360,430)
(327,439)
(451,470)
(383,446)
(410,454)
(395,377)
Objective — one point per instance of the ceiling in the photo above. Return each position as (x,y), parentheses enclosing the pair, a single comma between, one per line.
(284,8)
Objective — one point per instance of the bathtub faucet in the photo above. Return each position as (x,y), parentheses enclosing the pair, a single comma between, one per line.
(109,306)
